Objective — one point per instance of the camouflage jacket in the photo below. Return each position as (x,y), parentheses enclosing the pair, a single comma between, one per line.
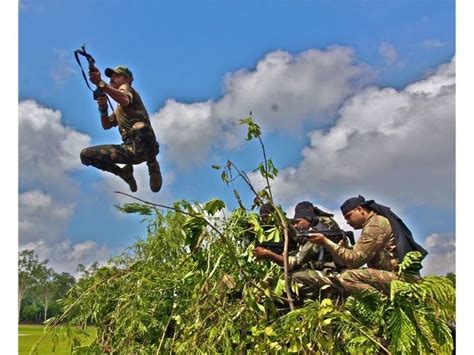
(125,117)
(375,246)
(313,256)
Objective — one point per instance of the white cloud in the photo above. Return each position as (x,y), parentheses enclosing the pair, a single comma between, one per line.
(41,217)
(64,256)
(48,150)
(48,153)
(283,91)
(441,257)
(442,79)
(388,52)
(396,145)
(42,222)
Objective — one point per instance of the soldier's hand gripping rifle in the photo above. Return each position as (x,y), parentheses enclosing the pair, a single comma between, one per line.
(98,92)
(276,247)
(335,235)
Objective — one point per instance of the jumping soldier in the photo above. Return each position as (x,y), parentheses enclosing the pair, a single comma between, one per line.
(383,243)
(139,142)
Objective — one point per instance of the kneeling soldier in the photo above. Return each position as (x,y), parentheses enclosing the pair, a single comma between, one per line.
(382,245)
(311,267)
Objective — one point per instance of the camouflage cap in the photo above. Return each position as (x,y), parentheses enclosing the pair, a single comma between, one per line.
(119,70)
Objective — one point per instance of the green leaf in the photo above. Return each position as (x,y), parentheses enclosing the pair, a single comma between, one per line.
(135,208)
(213,206)
(280,287)
(273,235)
(254,130)
(224,176)
(269,332)
(272,170)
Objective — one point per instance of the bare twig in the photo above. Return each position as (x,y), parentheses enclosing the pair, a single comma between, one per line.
(245,177)
(266,167)
(285,255)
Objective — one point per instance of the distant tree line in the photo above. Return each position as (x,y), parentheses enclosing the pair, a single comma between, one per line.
(40,288)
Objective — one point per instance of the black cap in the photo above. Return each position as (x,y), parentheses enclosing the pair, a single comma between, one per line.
(352,203)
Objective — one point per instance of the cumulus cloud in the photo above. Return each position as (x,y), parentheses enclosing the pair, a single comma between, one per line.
(441,257)
(397,145)
(42,222)
(283,91)
(64,256)
(388,52)
(48,153)
(48,150)
(42,217)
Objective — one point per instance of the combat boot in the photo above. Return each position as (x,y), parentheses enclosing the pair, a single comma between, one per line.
(155,176)
(127,175)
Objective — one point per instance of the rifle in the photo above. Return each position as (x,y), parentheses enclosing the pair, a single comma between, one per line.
(91,61)
(276,247)
(335,235)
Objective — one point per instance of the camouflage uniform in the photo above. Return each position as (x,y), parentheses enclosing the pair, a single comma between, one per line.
(139,142)
(315,267)
(376,247)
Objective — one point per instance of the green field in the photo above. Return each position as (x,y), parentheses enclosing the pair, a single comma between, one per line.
(28,335)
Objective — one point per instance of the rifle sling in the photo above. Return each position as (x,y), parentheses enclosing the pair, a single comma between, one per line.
(88,57)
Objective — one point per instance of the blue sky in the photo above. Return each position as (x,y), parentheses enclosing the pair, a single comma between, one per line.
(353,99)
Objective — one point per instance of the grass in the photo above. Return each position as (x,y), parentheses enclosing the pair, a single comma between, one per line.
(30,334)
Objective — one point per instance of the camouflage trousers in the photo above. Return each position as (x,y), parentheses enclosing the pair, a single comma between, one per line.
(140,145)
(358,280)
(314,283)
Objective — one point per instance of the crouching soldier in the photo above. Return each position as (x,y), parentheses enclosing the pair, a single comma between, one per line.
(382,245)
(311,267)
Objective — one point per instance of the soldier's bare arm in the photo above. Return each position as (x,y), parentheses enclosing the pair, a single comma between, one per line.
(262,253)
(120,96)
(117,95)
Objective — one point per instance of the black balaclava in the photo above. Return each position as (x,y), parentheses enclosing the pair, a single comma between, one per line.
(403,237)
(307,206)
(266,209)
(305,210)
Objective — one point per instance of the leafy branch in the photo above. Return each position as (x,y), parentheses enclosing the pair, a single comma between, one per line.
(268,171)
